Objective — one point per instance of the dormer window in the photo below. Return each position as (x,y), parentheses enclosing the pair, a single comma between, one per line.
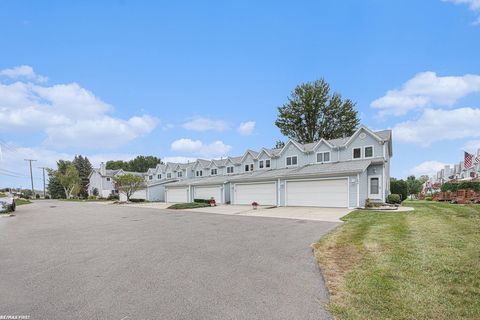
(323,157)
(230,169)
(292,161)
(264,164)
(368,152)
(357,153)
(249,167)
(179,174)
(159,176)
(199,173)
(108,179)
(150,177)
(213,172)
(169,175)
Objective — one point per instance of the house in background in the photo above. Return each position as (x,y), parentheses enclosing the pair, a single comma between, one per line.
(327,173)
(458,172)
(101,182)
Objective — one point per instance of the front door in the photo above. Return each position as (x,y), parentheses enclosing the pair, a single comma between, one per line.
(374,188)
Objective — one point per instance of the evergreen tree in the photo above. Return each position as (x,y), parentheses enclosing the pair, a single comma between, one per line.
(84,168)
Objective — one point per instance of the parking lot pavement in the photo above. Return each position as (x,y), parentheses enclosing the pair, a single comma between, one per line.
(67,260)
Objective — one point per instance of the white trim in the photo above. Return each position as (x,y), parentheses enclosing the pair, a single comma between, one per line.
(250,183)
(251,167)
(329,178)
(233,171)
(361,153)
(360,129)
(292,165)
(278,193)
(320,141)
(245,154)
(383,183)
(323,156)
(358,190)
(379,189)
(373,151)
(295,143)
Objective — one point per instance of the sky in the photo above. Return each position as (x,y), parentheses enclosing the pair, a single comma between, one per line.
(182,80)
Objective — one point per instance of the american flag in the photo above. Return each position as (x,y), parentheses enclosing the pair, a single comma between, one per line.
(468,160)
(477,160)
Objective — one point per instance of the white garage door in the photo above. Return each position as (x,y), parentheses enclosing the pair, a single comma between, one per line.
(207,193)
(262,193)
(317,193)
(177,195)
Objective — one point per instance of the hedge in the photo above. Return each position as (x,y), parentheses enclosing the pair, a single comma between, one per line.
(464,185)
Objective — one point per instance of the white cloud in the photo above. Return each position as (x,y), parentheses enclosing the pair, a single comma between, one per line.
(205,124)
(246,128)
(428,168)
(69,116)
(23,72)
(214,149)
(473,5)
(424,90)
(472,146)
(439,125)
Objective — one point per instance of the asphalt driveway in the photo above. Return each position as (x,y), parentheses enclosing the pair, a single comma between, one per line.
(67,260)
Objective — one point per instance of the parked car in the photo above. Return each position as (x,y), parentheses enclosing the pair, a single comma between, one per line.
(7,203)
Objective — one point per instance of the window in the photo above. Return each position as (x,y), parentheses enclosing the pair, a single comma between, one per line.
(368,152)
(357,153)
(199,173)
(213,172)
(179,174)
(323,156)
(260,164)
(267,163)
(292,161)
(229,169)
(248,167)
(150,177)
(159,176)
(169,175)
(108,179)
(374,186)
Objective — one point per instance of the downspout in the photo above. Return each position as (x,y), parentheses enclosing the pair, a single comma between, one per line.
(358,190)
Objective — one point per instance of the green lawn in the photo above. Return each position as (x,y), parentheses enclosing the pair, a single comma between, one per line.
(190,205)
(21,201)
(423,264)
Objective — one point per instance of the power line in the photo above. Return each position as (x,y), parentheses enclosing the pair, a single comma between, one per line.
(31,175)
(44,192)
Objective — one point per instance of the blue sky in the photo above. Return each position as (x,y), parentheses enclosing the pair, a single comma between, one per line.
(115,79)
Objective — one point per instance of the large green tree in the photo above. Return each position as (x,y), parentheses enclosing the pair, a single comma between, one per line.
(414,185)
(84,167)
(312,113)
(55,188)
(399,187)
(70,180)
(128,184)
(138,164)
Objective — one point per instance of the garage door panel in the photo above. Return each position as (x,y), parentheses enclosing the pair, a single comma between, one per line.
(263,193)
(317,193)
(177,195)
(208,192)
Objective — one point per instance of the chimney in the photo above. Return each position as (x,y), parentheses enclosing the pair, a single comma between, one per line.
(103,169)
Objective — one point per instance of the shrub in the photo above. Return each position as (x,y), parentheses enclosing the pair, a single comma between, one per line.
(137,200)
(37,196)
(47,196)
(92,197)
(369,203)
(469,185)
(428,198)
(399,187)
(449,186)
(201,201)
(394,198)
(114,197)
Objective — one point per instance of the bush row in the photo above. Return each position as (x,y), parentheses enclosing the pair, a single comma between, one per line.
(464,185)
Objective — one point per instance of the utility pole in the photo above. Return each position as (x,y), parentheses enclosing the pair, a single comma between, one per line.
(44,192)
(31,175)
